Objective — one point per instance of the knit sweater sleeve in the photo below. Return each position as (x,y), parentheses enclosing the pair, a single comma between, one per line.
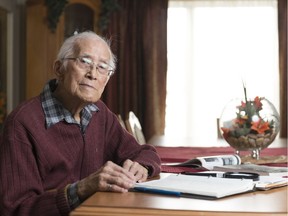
(122,145)
(21,188)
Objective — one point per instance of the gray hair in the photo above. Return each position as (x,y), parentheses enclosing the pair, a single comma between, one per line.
(68,47)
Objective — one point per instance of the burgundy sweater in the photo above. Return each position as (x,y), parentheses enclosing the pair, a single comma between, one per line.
(36,163)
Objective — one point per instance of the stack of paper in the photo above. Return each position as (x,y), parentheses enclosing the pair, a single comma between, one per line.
(254,168)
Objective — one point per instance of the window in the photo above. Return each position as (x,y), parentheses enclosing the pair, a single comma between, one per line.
(212,47)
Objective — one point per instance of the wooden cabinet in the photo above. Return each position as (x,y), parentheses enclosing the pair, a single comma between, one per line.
(42,44)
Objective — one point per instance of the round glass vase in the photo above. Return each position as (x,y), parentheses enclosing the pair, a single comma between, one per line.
(250,125)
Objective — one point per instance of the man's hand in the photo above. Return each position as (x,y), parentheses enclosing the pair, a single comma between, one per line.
(140,172)
(110,177)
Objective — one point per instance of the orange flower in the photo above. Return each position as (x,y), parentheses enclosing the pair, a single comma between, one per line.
(260,126)
(257,103)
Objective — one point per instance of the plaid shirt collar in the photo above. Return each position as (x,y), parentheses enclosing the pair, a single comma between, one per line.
(55,112)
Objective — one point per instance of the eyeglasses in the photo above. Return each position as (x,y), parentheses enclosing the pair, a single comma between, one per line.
(235,175)
(87,63)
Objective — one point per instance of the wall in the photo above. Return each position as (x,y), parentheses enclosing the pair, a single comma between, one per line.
(15,51)
(42,44)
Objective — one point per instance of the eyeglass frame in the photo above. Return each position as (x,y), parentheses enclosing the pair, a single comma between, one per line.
(92,64)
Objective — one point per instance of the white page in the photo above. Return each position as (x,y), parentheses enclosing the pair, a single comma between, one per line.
(219,160)
(199,185)
(269,182)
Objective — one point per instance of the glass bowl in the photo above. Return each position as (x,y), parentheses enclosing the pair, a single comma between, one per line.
(250,125)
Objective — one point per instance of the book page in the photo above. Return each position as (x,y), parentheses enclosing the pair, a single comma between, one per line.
(205,186)
(269,182)
(264,183)
(209,162)
(220,160)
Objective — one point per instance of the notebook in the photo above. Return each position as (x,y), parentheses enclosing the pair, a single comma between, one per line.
(207,187)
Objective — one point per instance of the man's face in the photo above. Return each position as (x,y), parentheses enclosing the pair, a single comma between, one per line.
(85,85)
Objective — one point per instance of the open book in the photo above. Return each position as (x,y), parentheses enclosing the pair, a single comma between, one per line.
(209,162)
(196,186)
(207,187)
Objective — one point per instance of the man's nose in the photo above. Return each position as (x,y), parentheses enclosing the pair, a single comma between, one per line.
(93,72)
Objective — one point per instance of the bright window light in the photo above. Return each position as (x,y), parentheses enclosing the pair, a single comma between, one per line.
(212,47)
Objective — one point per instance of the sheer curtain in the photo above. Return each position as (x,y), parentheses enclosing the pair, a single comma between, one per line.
(212,47)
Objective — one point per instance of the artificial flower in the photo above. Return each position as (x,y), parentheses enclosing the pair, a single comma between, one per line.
(260,126)
(248,119)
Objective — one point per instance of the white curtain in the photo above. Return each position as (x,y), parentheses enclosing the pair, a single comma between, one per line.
(212,47)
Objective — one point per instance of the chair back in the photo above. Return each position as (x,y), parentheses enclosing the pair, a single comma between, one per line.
(121,121)
(134,127)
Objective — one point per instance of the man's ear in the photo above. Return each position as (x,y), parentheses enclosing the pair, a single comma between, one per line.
(107,80)
(58,68)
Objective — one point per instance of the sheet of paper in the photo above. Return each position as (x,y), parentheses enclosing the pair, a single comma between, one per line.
(270,182)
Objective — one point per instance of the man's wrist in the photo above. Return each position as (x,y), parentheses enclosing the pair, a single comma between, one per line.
(149,170)
(73,198)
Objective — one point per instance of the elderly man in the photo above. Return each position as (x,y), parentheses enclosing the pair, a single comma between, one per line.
(64,145)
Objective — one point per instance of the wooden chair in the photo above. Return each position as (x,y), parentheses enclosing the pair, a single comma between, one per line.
(121,121)
(134,127)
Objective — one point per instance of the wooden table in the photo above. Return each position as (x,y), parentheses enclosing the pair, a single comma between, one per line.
(273,202)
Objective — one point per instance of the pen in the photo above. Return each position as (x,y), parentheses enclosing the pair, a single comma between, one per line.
(157,191)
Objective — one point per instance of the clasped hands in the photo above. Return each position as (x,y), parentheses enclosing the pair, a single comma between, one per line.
(112,177)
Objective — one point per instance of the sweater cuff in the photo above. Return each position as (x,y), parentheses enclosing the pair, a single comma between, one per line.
(149,169)
(62,203)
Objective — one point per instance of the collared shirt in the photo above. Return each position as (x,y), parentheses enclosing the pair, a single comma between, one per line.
(55,112)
